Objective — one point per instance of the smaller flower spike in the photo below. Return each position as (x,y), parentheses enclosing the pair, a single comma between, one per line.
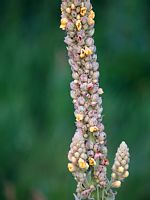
(121,165)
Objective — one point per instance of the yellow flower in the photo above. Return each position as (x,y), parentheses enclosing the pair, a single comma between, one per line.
(83,11)
(79,117)
(90,21)
(91,18)
(78,25)
(93,129)
(92,14)
(92,161)
(88,51)
(71,167)
(83,164)
(82,53)
(64,22)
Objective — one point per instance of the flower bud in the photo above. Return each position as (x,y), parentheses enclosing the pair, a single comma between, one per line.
(121,165)
(116,184)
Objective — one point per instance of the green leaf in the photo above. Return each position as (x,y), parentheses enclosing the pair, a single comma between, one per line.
(76,198)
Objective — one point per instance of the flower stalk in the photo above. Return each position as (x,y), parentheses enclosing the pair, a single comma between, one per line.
(88,151)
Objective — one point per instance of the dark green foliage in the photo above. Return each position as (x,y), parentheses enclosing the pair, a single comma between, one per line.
(36,113)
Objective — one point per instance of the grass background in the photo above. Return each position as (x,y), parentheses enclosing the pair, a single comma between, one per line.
(36,112)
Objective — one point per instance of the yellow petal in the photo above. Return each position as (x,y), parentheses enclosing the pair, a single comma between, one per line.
(88,51)
(92,161)
(79,117)
(63,24)
(78,25)
(82,54)
(90,21)
(92,14)
(83,11)
(71,167)
(83,164)
(93,129)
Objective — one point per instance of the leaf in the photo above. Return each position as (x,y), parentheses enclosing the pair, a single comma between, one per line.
(112,197)
(76,198)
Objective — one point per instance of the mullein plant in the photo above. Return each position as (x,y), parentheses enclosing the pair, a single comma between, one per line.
(88,151)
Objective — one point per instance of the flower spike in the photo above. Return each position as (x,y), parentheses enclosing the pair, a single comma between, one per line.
(88,151)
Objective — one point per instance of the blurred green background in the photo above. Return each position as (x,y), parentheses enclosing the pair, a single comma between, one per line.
(36,112)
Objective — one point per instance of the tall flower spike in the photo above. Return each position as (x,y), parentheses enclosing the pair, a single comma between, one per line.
(121,165)
(88,151)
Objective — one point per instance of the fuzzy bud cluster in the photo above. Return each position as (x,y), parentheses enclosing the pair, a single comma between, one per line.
(88,151)
(121,165)
(77,154)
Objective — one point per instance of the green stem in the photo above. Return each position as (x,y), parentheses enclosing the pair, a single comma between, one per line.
(103,194)
(98,197)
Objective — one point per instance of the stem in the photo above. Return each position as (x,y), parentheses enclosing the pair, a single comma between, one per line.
(103,194)
(98,197)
